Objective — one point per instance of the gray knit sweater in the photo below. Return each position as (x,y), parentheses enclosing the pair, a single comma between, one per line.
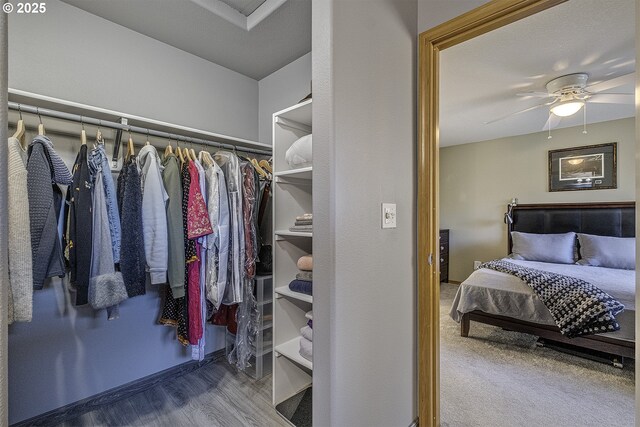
(20,274)
(45,170)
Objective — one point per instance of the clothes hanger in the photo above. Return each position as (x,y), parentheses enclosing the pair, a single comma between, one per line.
(266,166)
(257,167)
(130,149)
(40,126)
(187,155)
(206,158)
(147,143)
(193,155)
(20,129)
(99,138)
(179,152)
(169,149)
(83,133)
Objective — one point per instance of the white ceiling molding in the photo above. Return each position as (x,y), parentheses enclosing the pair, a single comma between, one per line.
(236,17)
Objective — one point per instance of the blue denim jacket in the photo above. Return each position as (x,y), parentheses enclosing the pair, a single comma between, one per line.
(98,162)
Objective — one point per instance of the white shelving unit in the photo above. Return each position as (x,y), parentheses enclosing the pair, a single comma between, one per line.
(292,196)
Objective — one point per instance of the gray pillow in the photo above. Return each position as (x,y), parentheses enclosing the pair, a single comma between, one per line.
(557,248)
(606,251)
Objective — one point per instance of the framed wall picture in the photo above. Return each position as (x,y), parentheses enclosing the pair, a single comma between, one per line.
(593,167)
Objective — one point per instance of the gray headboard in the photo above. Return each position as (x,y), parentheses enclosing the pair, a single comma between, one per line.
(616,219)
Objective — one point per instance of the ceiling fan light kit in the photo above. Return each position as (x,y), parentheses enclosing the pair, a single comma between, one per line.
(567,108)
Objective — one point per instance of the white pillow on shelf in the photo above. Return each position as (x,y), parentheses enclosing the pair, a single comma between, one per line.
(300,154)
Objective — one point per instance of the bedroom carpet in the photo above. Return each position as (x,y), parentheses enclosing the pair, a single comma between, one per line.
(499,378)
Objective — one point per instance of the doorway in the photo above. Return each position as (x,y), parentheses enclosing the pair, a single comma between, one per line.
(477,22)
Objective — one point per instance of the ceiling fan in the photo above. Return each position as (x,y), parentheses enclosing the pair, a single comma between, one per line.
(568,94)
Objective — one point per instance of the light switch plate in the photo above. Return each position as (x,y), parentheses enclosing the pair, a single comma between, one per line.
(388,215)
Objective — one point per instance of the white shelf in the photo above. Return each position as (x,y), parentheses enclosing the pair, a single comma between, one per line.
(292,195)
(302,174)
(291,350)
(284,234)
(285,291)
(299,113)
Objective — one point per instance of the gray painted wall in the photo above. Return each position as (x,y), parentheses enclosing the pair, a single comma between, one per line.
(71,54)
(68,353)
(364,62)
(435,12)
(282,89)
(478,180)
(4,267)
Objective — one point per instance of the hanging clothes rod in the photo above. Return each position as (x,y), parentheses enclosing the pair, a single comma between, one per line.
(46,112)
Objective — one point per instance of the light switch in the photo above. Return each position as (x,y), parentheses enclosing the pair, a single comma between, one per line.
(388,215)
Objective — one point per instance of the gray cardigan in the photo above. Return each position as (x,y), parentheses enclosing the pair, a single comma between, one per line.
(173,187)
(45,170)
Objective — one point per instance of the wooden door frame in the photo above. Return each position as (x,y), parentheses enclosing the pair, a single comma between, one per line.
(488,17)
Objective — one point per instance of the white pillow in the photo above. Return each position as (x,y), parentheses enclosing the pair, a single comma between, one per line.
(300,153)
(557,248)
(607,251)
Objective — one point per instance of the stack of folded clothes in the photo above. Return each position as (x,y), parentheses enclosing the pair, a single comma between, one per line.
(306,340)
(303,223)
(303,282)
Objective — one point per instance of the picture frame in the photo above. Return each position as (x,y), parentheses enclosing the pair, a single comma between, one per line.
(592,167)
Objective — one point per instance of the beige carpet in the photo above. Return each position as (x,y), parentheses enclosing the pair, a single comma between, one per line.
(497,378)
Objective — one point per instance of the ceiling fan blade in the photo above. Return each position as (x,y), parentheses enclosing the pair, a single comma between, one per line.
(535,94)
(519,112)
(611,83)
(612,98)
(552,122)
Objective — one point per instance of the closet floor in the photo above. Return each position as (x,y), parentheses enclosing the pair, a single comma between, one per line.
(214,395)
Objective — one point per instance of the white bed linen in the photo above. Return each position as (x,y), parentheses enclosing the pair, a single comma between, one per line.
(502,294)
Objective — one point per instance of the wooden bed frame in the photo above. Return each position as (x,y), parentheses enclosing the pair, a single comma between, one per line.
(607,219)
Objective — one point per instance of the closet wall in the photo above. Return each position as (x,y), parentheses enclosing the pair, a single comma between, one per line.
(282,89)
(67,353)
(71,54)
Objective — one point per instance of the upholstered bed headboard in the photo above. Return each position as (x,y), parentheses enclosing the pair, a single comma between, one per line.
(616,219)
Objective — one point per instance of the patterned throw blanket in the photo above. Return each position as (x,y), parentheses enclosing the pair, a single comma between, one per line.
(578,307)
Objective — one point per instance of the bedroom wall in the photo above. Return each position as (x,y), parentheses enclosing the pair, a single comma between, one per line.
(364,119)
(434,12)
(478,180)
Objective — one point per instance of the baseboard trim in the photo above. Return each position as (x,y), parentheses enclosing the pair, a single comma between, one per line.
(74,410)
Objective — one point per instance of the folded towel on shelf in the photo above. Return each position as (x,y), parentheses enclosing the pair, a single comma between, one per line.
(302,228)
(309,315)
(307,332)
(304,222)
(306,349)
(302,286)
(303,217)
(305,263)
(305,275)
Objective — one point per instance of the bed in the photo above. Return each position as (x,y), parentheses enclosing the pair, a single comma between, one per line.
(503,300)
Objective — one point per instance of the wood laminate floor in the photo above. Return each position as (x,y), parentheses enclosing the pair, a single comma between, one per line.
(214,395)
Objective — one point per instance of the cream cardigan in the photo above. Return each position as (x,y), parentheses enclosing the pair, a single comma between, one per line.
(20,269)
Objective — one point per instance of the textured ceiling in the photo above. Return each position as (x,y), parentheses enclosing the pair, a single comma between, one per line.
(278,40)
(481,77)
